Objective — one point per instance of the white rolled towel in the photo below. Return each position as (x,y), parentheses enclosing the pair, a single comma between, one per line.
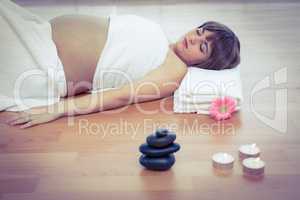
(200,87)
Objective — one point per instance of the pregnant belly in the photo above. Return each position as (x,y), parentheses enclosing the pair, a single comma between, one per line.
(79,40)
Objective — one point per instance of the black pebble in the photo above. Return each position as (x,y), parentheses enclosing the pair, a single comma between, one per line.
(162,163)
(161,132)
(155,152)
(161,142)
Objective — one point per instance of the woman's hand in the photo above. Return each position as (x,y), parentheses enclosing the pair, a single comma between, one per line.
(34,116)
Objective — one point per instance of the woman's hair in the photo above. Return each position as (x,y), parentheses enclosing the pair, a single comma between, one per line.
(225,48)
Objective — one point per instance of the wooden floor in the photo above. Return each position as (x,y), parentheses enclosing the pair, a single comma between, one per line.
(96,156)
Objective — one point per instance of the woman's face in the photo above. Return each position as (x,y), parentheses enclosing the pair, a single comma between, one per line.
(195,46)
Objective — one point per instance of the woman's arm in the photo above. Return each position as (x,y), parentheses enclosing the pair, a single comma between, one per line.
(158,83)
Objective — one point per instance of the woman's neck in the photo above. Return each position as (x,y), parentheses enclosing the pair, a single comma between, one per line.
(172,46)
(175,56)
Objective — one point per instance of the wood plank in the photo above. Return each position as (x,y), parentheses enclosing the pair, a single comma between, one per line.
(96,156)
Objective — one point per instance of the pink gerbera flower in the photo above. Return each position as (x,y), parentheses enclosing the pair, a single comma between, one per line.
(222,108)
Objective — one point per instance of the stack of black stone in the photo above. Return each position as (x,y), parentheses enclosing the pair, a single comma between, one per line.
(158,151)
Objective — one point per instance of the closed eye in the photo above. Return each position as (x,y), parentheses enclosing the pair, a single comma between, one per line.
(204,45)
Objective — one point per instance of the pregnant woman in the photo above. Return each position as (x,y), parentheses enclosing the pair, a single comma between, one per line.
(113,62)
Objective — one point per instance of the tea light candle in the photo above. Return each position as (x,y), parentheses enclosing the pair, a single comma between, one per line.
(249,151)
(223,161)
(253,166)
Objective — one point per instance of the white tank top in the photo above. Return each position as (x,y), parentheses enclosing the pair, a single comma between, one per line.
(134,47)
